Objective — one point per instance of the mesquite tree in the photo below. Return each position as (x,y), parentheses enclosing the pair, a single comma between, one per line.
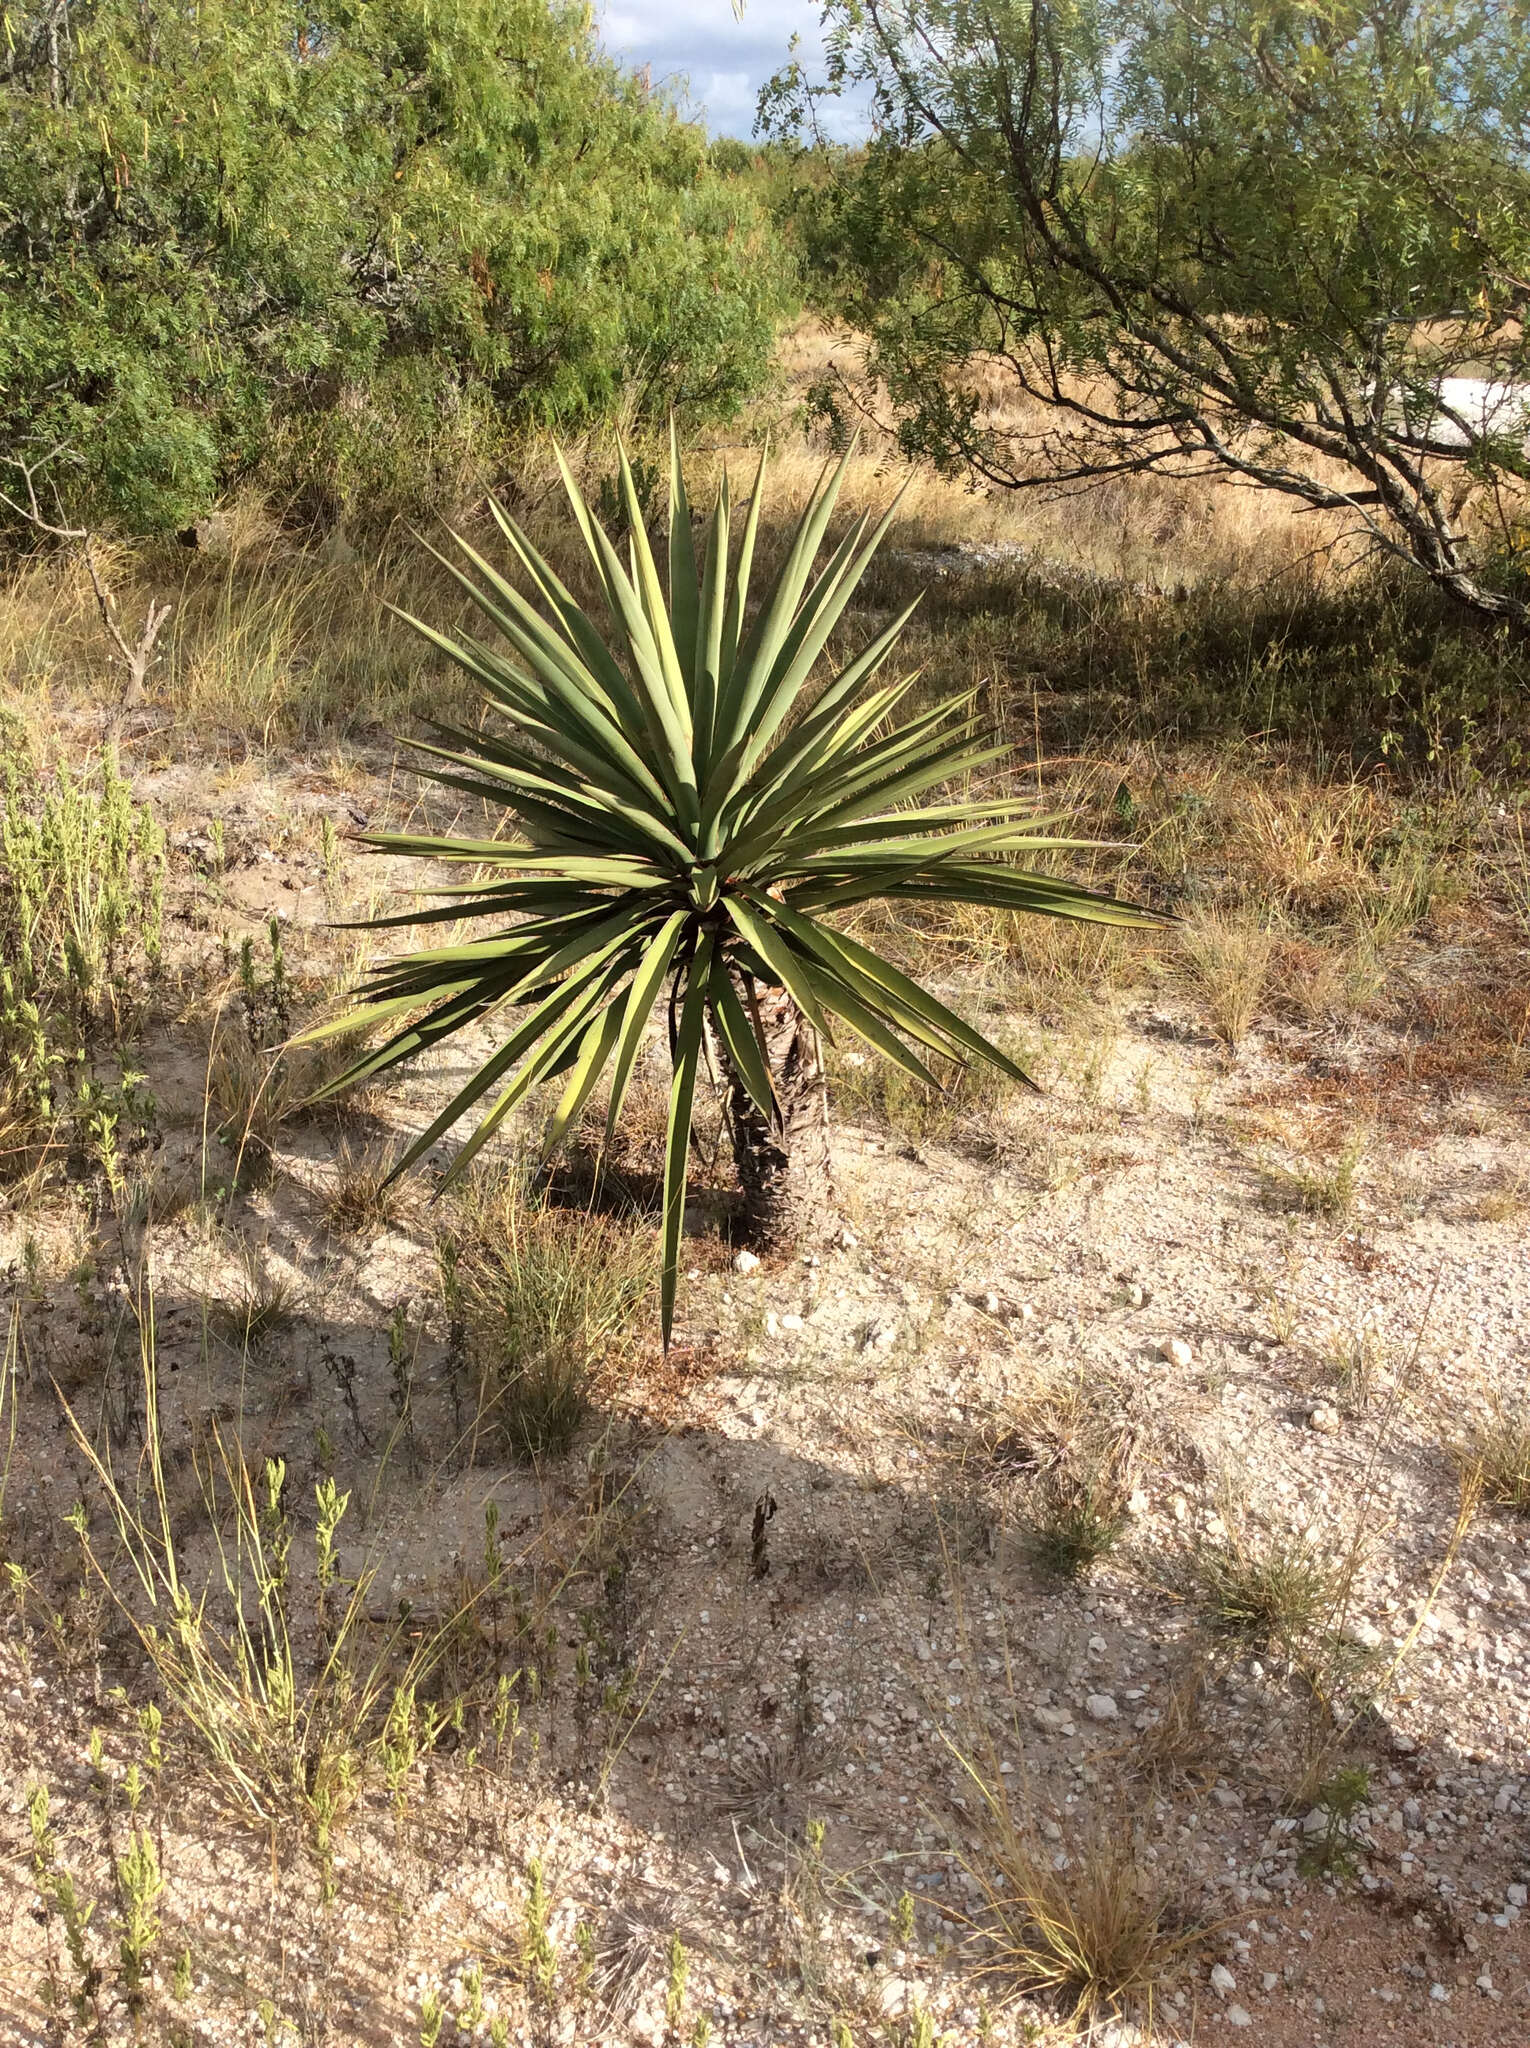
(1288,243)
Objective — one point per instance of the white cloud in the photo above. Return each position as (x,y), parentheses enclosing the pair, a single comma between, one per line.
(720,60)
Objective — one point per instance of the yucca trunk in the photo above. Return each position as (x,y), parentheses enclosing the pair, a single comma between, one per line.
(783,1162)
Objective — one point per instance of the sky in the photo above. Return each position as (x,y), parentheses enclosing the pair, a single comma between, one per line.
(724,58)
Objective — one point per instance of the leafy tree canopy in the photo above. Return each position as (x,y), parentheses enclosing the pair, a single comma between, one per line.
(1286,239)
(236,237)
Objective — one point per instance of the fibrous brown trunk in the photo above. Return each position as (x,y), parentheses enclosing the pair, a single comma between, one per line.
(783,1162)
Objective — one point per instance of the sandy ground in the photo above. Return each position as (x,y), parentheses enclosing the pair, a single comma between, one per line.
(801,1545)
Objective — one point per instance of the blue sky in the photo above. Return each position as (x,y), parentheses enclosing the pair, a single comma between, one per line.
(725,59)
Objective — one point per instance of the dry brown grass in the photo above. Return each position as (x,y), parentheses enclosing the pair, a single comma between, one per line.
(362,1198)
(1093,1925)
(1164,531)
(1229,960)
(1495,1450)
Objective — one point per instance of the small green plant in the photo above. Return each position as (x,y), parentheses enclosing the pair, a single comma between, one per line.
(472,2002)
(266,990)
(1075,1517)
(1278,1594)
(679,1976)
(400,1746)
(1355,1362)
(331,860)
(432,2013)
(1324,1188)
(56,1888)
(1334,1851)
(1281,1299)
(539,1956)
(10,1366)
(139,1885)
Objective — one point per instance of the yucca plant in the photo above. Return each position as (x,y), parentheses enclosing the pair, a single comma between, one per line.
(688,804)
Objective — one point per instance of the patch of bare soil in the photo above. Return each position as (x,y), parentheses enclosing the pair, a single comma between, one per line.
(785,1627)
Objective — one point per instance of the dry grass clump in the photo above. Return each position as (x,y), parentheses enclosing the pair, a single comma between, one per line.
(1505,1203)
(1496,1446)
(1278,1594)
(1229,960)
(251,1094)
(1180,1746)
(553,1299)
(362,1198)
(1070,1455)
(262,1305)
(1097,1927)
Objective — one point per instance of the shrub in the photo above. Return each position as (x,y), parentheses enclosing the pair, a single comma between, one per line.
(691,802)
(81,905)
(351,255)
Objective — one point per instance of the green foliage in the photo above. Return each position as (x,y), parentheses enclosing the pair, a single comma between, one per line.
(1254,238)
(59,1894)
(289,1719)
(686,811)
(347,255)
(139,1885)
(1333,1851)
(81,909)
(1076,1519)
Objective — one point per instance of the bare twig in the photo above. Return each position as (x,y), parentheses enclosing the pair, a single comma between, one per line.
(136,657)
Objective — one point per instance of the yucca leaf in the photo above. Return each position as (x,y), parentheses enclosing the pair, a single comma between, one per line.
(733,621)
(758,651)
(883,982)
(684,593)
(738,1035)
(821,614)
(594,1051)
(641,997)
(677,1143)
(711,614)
(776,951)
